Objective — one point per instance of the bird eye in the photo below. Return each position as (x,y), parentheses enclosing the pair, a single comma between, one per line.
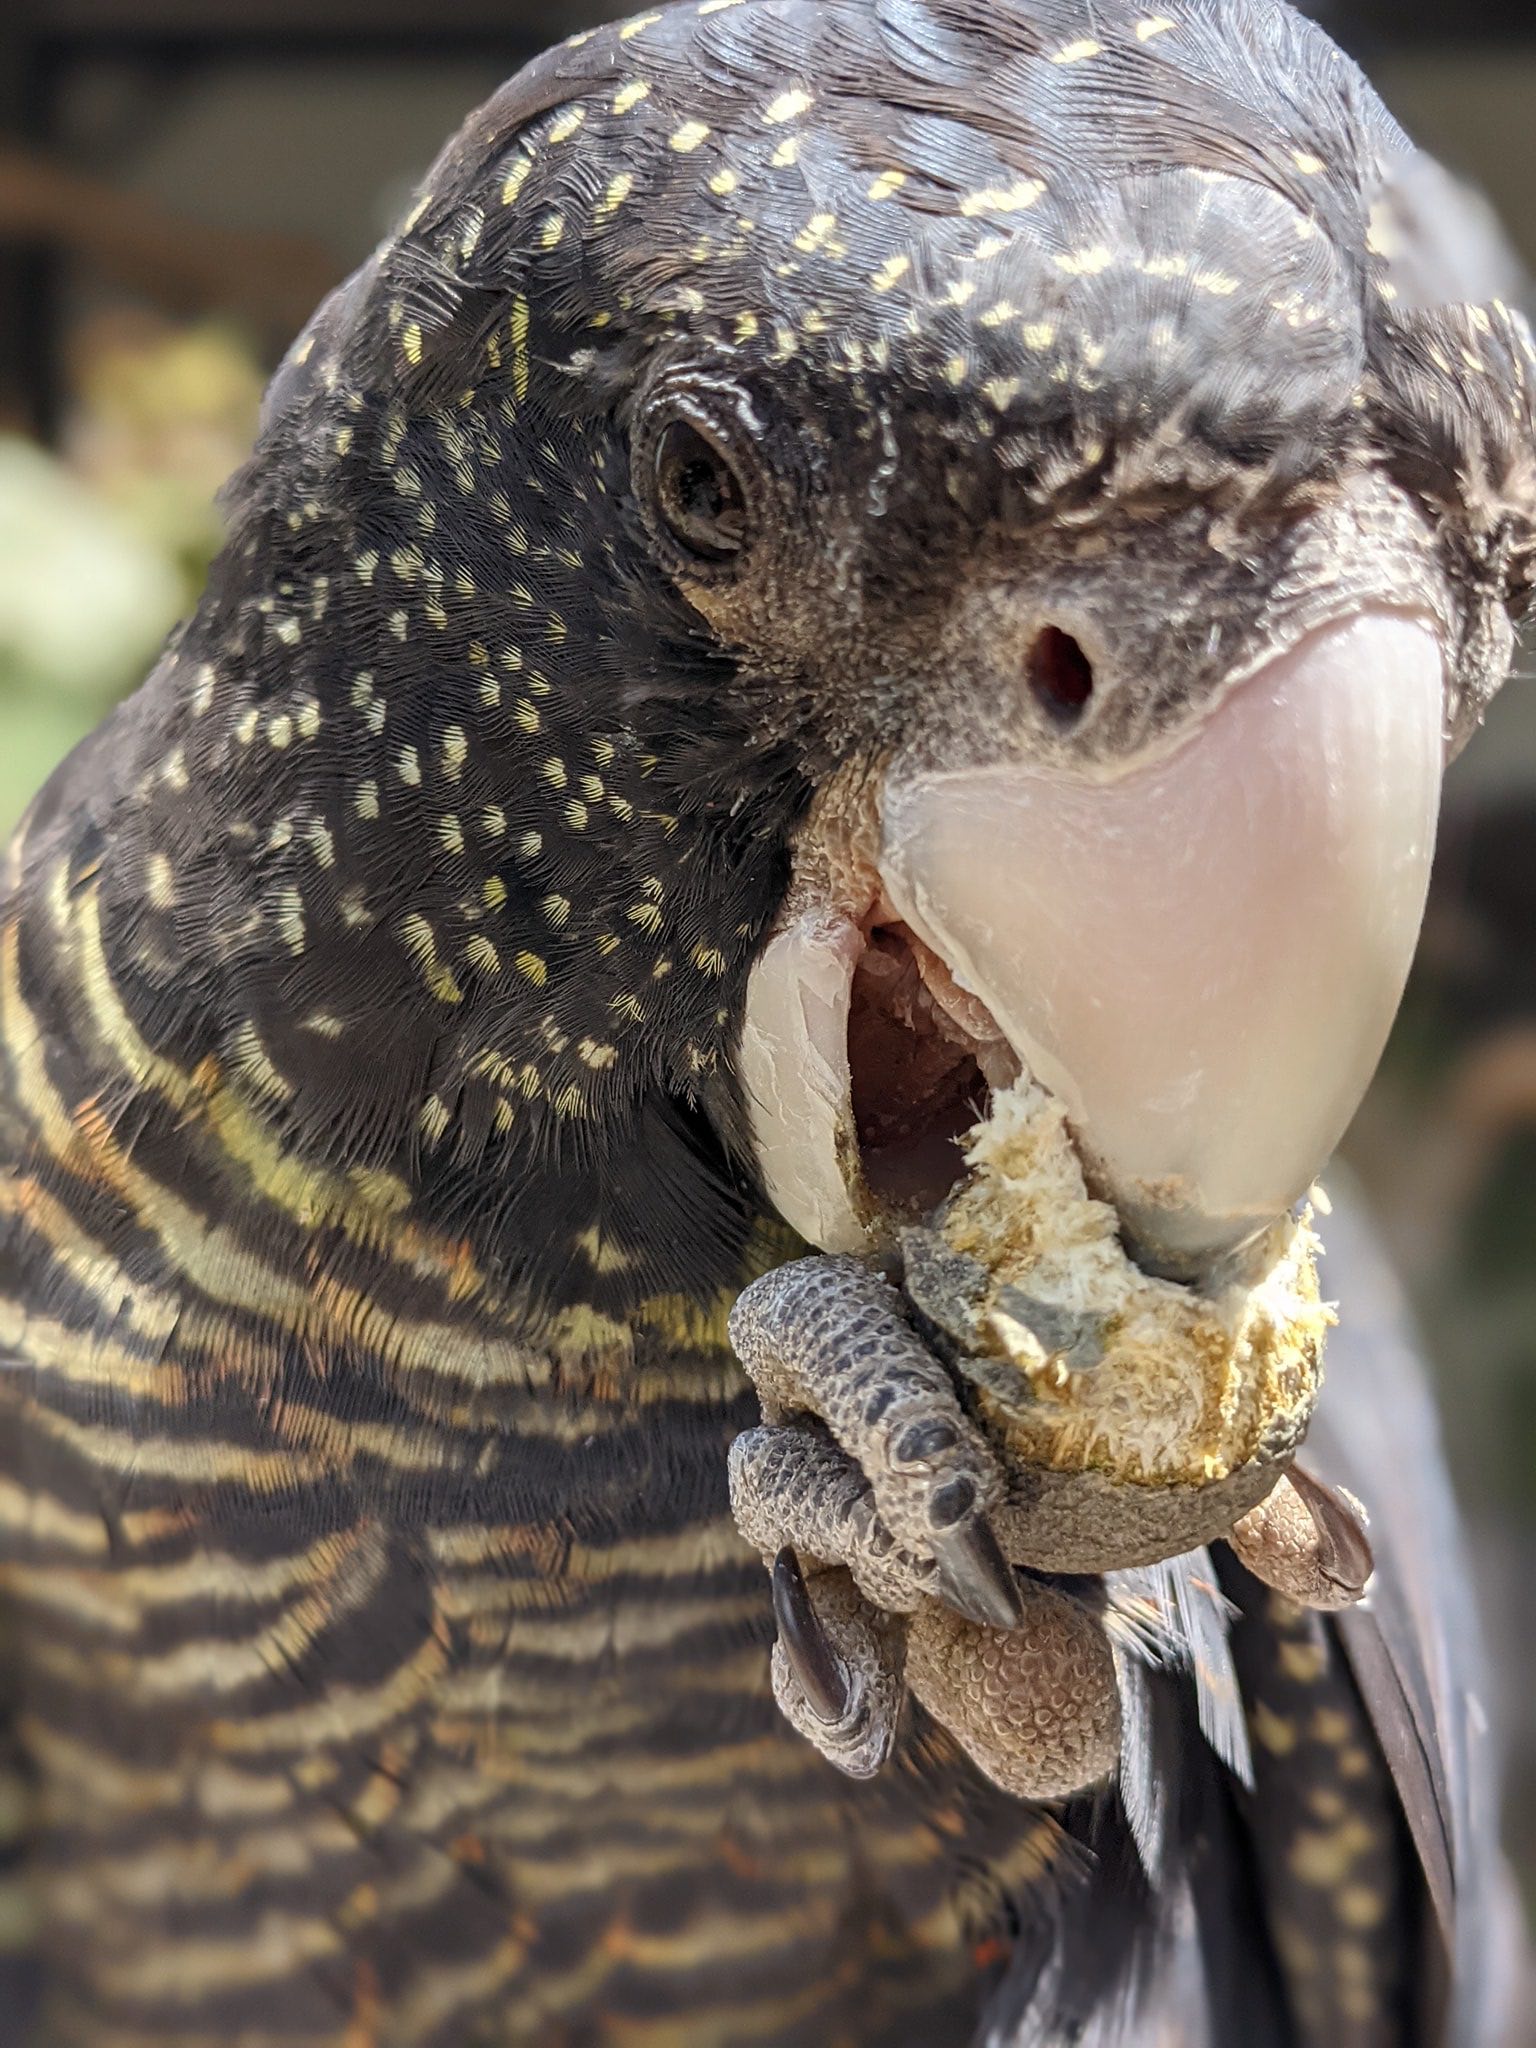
(699,494)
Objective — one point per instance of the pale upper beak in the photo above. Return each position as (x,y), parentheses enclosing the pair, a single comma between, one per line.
(1200,956)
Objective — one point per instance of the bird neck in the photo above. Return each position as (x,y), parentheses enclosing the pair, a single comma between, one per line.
(307,956)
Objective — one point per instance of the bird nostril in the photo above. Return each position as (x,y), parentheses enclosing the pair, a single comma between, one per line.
(1060,674)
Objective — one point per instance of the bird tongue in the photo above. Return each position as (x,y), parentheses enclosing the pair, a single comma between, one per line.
(1200,957)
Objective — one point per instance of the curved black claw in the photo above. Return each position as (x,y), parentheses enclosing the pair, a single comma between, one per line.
(977,1580)
(815,1663)
(1343,1549)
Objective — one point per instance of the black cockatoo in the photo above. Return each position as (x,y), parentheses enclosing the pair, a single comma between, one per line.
(845,550)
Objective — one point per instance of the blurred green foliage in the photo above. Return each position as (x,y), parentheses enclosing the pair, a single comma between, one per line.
(105,546)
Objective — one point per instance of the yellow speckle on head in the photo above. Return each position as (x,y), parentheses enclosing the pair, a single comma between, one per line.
(1015,198)
(516,178)
(532,968)
(1002,391)
(815,232)
(567,125)
(1308,164)
(956,370)
(638,26)
(553,772)
(890,273)
(366,801)
(519,333)
(747,326)
(530,845)
(1078,52)
(629,96)
(322,844)
(709,959)
(493,821)
(162,882)
(724,181)
(551,231)
(434,1118)
(1154,25)
(618,191)
(408,765)
(482,954)
(410,342)
(280,731)
(494,893)
(787,107)
(687,138)
(307,718)
(1216,283)
(450,833)
(557,909)
(1038,335)
(788,152)
(290,918)
(354,909)
(455,751)
(886,184)
(202,695)
(1086,262)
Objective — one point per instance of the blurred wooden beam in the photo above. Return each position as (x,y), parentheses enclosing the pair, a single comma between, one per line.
(272,281)
(425,24)
(533,23)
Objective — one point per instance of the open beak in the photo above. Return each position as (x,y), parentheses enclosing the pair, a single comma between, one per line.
(1200,956)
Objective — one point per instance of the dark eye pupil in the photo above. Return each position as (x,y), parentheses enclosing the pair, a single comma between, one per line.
(701,495)
(704,492)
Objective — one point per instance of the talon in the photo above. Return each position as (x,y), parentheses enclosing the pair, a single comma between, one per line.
(815,1663)
(1343,1549)
(925,1441)
(1306,1541)
(974,1576)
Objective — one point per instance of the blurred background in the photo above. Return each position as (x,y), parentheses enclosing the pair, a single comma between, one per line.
(180,182)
